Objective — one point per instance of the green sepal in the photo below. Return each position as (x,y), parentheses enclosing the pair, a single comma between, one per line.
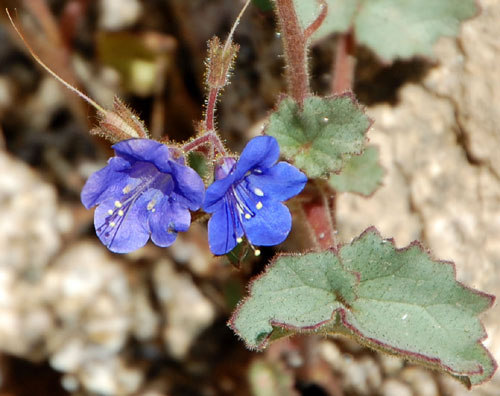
(199,162)
(322,135)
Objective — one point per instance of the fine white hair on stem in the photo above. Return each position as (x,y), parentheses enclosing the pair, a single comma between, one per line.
(236,23)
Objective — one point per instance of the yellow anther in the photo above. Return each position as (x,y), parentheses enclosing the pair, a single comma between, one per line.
(120,213)
(258,192)
(257,252)
(112,224)
(110,212)
(239,240)
(127,189)
(259,205)
(248,216)
(151,205)
(118,204)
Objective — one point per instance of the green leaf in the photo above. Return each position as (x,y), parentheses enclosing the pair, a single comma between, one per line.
(338,18)
(321,136)
(405,28)
(295,292)
(361,174)
(391,28)
(399,301)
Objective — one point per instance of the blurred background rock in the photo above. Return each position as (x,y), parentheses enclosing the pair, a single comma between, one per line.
(77,320)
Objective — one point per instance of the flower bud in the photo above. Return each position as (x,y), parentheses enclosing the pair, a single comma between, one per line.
(219,62)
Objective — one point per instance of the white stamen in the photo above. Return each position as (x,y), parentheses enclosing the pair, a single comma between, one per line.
(239,240)
(118,204)
(153,210)
(259,205)
(248,216)
(127,189)
(110,212)
(120,213)
(257,252)
(112,224)
(258,192)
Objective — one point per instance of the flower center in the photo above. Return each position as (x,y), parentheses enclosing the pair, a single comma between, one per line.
(246,202)
(144,177)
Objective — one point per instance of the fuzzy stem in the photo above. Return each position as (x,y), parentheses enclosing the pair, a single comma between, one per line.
(211,106)
(211,138)
(295,48)
(344,65)
(320,216)
(316,24)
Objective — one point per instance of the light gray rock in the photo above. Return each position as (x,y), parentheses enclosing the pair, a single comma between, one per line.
(29,238)
(392,387)
(186,310)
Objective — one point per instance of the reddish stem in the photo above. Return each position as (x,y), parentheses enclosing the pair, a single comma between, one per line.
(316,24)
(211,105)
(320,215)
(208,138)
(294,43)
(344,65)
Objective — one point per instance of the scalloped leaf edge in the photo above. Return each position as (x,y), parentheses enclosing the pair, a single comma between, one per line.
(341,326)
(346,94)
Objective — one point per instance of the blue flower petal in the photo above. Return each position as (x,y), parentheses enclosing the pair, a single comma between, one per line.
(126,233)
(169,218)
(261,152)
(216,192)
(223,230)
(189,185)
(280,182)
(270,225)
(145,150)
(106,183)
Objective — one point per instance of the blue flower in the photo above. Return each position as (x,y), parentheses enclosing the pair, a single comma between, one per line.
(246,197)
(144,190)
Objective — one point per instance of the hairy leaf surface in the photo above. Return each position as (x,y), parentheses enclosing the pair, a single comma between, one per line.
(405,28)
(399,301)
(362,174)
(391,28)
(321,136)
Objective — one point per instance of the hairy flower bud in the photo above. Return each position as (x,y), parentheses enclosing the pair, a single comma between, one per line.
(220,62)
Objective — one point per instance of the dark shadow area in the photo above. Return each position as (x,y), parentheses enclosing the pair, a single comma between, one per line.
(311,390)
(378,83)
(29,379)
(374,81)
